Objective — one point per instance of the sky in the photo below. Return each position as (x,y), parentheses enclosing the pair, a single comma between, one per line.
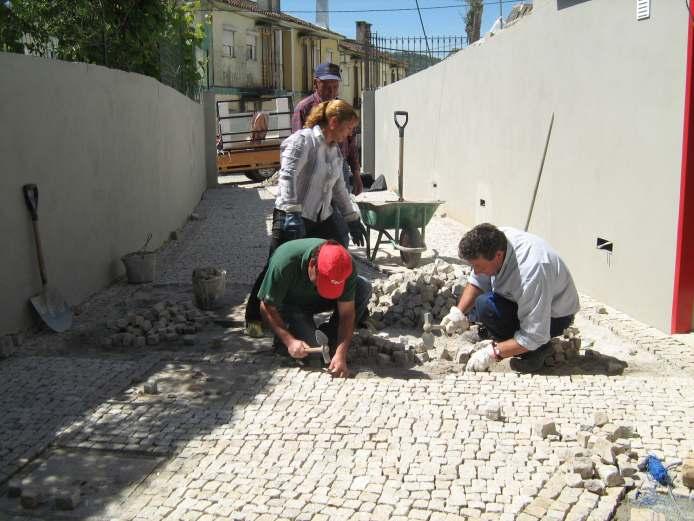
(448,21)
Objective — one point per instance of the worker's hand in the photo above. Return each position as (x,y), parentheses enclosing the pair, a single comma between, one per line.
(293,226)
(298,348)
(455,321)
(338,367)
(482,359)
(357,184)
(357,231)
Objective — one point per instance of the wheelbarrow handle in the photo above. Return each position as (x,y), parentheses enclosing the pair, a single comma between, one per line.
(31,198)
(397,123)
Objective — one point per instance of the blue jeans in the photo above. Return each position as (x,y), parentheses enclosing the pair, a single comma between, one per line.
(299,319)
(500,317)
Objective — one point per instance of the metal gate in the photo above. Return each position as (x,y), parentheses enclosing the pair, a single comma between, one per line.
(415,52)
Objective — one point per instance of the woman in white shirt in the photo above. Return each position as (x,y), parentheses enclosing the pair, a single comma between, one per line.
(310,181)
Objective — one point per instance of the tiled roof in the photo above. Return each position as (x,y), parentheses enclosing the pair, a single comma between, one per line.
(248,5)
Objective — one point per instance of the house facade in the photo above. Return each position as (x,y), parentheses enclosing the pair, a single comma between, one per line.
(252,49)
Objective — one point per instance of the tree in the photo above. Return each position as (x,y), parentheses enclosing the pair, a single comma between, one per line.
(154,37)
(473,20)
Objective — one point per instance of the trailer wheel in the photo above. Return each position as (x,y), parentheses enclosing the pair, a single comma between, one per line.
(260,175)
(411,238)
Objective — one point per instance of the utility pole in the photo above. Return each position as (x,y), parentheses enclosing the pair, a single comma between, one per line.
(501,15)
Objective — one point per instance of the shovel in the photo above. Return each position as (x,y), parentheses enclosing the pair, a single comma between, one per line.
(49,304)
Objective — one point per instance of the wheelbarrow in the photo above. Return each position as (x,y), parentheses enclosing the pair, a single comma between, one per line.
(406,219)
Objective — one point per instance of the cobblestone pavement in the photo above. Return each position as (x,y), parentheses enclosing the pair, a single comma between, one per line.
(244,435)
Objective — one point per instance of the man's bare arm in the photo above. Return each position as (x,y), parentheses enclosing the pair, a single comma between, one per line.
(345,330)
(296,347)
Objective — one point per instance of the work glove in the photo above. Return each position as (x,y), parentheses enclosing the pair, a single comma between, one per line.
(482,359)
(455,321)
(357,231)
(293,227)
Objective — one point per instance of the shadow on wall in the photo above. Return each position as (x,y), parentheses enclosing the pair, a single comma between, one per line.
(563,4)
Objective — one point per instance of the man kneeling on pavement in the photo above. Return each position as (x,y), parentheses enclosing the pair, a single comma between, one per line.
(520,292)
(306,277)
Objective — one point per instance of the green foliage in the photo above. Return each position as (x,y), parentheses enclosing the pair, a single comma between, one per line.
(473,20)
(153,37)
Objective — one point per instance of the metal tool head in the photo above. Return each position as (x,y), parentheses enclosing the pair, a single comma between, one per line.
(322,340)
(427,323)
(53,309)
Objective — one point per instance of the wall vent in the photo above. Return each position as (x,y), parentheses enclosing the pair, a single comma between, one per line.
(604,244)
(643,9)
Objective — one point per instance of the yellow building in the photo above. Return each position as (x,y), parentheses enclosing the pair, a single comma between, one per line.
(253,49)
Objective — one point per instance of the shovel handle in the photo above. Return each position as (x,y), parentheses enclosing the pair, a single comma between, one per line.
(401,128)
(31,198)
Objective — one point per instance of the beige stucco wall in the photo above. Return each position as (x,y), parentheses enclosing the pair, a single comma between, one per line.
(478,124)
(115,155)
(235,71)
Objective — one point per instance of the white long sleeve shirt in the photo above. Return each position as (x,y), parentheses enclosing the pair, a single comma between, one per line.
(536,278)
(311,178)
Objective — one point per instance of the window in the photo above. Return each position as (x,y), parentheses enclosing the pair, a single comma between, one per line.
(344,72)
(228,42)
(251,47)
(329,56)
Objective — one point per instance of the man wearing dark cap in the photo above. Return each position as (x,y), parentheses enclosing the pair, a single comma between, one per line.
(326,86)
(310,276)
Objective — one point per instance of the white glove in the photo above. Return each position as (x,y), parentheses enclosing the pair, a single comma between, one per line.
(455,321)
(482,359)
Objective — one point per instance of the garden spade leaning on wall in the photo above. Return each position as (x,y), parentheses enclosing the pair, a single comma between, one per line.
(49,304)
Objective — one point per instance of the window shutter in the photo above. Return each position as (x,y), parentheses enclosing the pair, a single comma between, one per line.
(643,9)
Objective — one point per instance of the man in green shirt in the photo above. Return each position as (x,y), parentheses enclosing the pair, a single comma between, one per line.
(309,276)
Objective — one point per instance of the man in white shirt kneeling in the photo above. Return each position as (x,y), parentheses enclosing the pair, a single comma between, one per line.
(520,291)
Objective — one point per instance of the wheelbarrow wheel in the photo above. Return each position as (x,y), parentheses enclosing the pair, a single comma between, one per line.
(260,175)
(411,238)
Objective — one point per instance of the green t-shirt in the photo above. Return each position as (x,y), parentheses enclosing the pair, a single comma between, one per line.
(286,281)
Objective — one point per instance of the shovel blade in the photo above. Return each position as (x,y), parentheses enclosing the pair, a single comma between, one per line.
(53,309)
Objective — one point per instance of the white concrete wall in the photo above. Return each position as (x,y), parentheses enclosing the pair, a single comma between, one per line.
(478,123)
(115,155)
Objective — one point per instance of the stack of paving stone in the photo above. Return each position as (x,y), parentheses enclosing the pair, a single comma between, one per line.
(459,351)
(367,346)
(607,456)
(403,298)
(592,477)
(166,321)
(565,348)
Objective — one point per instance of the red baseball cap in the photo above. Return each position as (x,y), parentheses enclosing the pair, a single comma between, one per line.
(333,267)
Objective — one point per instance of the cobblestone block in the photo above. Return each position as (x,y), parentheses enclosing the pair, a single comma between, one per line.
(544,428)
(595,486)
(67,499)
(600,418)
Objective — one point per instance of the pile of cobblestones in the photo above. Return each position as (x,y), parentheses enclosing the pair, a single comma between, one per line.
(378,347)
(166,321)
(607,456)
(403,298)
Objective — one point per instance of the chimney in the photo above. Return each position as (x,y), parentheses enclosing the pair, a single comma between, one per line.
(363,32)
(269,5)
(322,15)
